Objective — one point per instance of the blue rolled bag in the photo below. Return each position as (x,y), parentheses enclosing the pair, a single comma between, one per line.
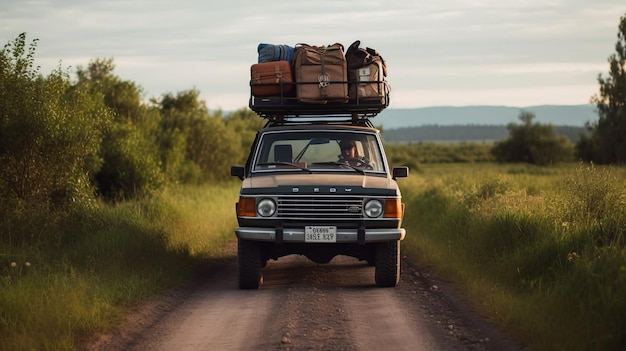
(272,52)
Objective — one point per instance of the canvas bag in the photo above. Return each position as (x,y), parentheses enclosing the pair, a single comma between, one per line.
(366,73)
(321,73)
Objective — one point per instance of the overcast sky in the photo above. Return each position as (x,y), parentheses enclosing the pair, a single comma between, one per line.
(454,52)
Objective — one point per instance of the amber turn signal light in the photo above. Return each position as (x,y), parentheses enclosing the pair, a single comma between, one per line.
(247,207)
(394,208)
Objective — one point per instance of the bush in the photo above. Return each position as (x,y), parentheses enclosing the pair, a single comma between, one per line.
(49,133)
(131,166)
(210,142)
(533,143)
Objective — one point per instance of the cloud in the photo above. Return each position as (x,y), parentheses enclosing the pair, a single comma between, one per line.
(465,50)
(509,96)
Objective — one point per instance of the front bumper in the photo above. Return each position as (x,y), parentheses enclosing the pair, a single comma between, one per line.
(344,235)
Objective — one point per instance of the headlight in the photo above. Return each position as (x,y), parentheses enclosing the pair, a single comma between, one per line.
(373,208)
(266,208)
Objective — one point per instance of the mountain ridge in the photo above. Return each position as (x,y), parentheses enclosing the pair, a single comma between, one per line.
(562,115)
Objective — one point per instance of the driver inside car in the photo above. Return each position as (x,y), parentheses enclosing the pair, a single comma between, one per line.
(349,154)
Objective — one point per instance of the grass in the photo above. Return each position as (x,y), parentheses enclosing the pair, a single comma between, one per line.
(80,274)
(415,154)
(539,250)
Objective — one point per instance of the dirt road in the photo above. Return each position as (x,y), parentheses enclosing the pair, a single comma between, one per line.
(306,306)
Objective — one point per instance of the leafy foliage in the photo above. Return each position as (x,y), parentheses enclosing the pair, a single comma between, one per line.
(131,167)
(49,133)
(532,143)
(196,146)
(607,144)
(130,158)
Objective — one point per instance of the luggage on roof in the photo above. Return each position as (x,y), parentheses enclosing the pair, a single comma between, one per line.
(318,80)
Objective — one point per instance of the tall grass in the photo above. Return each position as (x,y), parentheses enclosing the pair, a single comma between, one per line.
(90,267)
(413,155)
(541,251)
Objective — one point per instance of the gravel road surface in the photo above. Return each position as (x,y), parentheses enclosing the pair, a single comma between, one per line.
(307,306)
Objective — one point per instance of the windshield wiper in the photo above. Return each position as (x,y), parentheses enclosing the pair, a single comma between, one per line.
(360,170)
(284,164)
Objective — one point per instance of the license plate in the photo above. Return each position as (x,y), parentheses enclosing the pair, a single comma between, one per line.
(320,234)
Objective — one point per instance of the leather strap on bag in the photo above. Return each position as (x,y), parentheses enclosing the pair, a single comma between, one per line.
(323,78)
(327,58)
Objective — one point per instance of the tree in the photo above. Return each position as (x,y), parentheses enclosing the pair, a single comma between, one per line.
(49,133)
(607,143)
(131,165)
(245,125)
(532,143)
(123,97)
(210,146)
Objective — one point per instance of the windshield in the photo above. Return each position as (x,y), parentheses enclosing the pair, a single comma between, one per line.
(319,150)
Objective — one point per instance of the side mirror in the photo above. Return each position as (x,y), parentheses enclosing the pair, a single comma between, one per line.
(400,172)
(237,171)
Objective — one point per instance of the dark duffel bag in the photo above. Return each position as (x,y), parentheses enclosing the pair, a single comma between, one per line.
(366,74)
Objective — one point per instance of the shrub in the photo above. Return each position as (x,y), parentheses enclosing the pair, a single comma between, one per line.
(594,193)
(131,165)
(49,133)
(533,143)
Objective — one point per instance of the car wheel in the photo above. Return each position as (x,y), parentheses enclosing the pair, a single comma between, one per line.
(249,260)
(387,264)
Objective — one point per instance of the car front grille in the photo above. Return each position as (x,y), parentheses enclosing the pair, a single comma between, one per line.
(320,207)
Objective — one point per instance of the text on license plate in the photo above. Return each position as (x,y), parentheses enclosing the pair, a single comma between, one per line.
(320,234)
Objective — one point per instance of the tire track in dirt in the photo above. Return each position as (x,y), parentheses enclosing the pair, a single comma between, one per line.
(218,316)
(307,306)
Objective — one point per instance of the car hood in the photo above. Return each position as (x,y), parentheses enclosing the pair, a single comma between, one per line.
(320,183)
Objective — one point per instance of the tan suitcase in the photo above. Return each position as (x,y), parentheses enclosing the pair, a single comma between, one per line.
(267,78)
(321,74)
(368,83)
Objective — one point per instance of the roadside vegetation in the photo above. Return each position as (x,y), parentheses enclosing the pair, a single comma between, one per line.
(78,274)
(542,251)
(107,200)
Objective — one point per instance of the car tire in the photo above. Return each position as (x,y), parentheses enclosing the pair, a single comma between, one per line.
(387,264)
(249,261)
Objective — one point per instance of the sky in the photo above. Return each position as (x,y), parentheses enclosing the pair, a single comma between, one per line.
(438,53)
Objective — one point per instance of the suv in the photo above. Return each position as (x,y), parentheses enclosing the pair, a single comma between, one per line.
(302,194)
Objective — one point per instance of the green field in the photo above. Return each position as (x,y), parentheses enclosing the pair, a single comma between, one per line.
(82,273)
(539,250)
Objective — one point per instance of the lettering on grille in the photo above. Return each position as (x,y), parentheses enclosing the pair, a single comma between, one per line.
(320,207)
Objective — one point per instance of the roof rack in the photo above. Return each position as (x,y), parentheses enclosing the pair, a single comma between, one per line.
(287,106)
(355,120)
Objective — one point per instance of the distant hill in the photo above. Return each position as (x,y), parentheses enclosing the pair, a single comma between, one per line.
(465,133)
(566,115)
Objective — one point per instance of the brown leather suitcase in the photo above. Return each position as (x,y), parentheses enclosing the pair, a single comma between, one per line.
(267,78)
